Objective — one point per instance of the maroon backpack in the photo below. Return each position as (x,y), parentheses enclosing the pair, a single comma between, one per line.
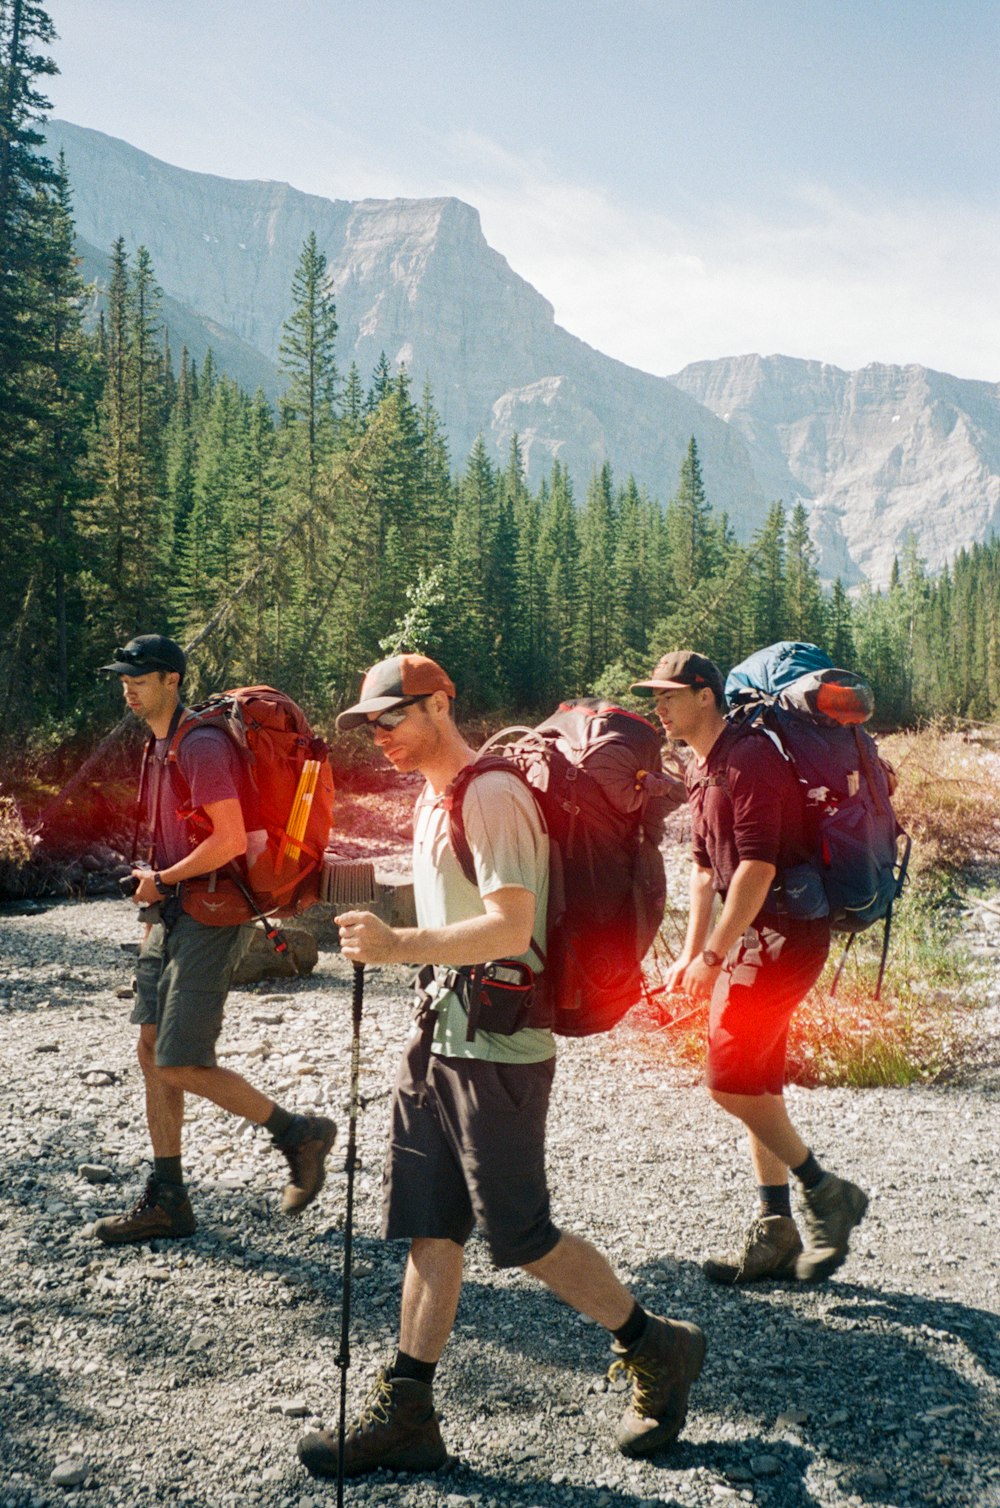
(596,775)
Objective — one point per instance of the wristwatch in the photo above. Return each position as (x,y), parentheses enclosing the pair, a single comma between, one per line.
(161,886)
(713,960)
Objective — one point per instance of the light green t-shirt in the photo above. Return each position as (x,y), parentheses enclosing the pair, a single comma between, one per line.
(509,848)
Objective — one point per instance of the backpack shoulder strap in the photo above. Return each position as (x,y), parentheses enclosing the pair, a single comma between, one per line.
(454,797)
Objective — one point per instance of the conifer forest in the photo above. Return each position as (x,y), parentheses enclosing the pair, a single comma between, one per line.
(297,545)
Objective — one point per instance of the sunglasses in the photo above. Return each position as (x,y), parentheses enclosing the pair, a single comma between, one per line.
(394,716)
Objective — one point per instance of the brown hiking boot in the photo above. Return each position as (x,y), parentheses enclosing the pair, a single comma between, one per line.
(397,1430)
(307,1159)
(769,1251)
(833,1208)
(661,1365)
(161,1211)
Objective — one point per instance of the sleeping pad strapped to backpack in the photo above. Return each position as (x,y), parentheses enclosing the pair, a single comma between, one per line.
(596,776)
(813,712)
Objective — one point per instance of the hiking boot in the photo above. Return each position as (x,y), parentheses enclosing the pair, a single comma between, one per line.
(833,1208)
(307,1159)
(769,1251)
(162,1210)
(661,1365)
(397,1430)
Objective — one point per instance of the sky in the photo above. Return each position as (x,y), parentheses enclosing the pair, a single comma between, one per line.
(682,179)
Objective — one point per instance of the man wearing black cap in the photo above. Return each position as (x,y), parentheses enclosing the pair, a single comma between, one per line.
(184,968)
(753,964)
(467,1143)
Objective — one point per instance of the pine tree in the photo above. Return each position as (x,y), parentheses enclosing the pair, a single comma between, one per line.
(598,523)
(559,557)
(804,615)
(840,628)
(688,528)
(767,583)
(26,179)
(307,358)
(473,575)
(64,387)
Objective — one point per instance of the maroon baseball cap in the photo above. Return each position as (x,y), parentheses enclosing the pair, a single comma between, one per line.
(390,682)
(683,668)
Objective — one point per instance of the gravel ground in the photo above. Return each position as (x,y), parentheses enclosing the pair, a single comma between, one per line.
(185,1373)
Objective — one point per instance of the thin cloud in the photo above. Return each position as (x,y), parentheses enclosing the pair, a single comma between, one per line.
(838,281)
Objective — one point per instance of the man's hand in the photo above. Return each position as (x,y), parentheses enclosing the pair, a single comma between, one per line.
(145,893)
(365,938)
(699,979)
(676,972)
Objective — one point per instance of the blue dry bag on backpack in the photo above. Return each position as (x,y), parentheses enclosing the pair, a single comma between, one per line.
(814,713)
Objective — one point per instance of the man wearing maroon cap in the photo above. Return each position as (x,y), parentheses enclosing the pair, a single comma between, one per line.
(754,964)
(467,1144)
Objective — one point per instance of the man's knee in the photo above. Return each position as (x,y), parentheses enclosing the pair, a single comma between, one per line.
(186,1077)
(145,1049)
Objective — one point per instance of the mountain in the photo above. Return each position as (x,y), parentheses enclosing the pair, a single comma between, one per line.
(414,278)
(873,454)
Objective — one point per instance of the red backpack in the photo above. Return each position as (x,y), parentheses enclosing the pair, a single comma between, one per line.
(287,807)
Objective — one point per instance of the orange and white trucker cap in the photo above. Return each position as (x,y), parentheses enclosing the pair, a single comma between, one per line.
(392,682)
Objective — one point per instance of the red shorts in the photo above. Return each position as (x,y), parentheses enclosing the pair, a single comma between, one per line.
(765,976)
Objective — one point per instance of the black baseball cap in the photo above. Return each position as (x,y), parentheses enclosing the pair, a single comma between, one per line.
(145,653)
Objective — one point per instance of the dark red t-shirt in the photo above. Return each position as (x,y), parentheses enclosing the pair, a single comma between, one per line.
(746,804)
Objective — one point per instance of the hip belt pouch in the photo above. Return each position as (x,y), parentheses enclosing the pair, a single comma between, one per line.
(497,996)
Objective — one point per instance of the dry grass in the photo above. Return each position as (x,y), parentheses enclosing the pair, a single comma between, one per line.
(949,794)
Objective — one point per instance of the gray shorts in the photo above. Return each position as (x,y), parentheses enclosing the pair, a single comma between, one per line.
(182,980)
(467,1147)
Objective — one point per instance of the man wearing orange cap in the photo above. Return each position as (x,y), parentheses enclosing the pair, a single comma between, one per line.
(467,1143)
(754,963)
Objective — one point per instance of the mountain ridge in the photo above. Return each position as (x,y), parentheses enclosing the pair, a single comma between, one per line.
(874,455)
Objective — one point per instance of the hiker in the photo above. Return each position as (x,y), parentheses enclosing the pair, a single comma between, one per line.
(753,965)
(185,967)
(468,1116)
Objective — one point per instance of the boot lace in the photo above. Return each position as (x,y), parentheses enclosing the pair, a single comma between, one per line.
(147,1200)
(754,1234)
(375,1409)
(643,1378)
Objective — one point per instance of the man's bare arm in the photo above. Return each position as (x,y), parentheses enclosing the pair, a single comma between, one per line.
(505,931)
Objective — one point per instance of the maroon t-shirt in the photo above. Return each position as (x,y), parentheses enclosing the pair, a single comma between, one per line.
(212,771)
(746,804)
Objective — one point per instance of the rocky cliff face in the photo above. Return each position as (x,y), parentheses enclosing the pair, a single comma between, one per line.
(416,279)
(874,455)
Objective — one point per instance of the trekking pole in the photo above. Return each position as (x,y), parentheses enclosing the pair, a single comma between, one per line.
(349,884)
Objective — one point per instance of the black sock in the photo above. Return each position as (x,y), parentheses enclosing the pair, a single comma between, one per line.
(168,1170)
(409,1366)
(279,1122)
(775,1199)
(809,1172)
(629,1333)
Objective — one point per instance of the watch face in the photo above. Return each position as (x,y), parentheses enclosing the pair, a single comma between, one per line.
(712,959)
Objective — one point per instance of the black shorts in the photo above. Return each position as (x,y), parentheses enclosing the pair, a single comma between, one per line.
(182,980)
(765,976)
(467,1147)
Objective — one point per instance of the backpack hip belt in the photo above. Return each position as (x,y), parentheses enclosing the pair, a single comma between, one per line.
(503,996)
